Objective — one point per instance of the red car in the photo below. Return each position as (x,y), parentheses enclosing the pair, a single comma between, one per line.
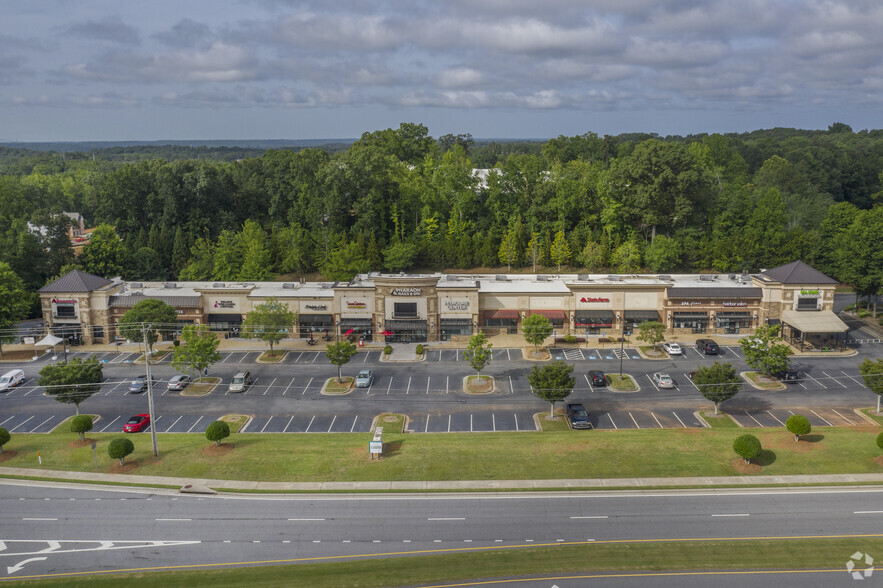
(137,423)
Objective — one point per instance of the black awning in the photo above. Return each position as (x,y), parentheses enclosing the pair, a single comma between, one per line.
(225,318)
(355,322)
(641,315)
(405,325)
(729,314)
(456,322)
(315,319)
(593,318)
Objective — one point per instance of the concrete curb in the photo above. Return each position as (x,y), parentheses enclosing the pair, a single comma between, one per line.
(744,376)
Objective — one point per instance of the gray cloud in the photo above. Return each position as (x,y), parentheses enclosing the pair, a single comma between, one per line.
(110,28)
(186,34)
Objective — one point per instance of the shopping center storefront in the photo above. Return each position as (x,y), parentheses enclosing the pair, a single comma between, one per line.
(714,309)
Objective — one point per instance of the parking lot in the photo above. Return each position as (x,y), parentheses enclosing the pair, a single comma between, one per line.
(818,417)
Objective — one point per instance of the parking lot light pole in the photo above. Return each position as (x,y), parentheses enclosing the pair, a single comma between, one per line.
(149,392)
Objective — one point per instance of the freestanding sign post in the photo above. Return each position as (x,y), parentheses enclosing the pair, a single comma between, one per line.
(375,447)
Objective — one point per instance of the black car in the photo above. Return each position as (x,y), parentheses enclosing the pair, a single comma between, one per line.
(597,378)
(707,346)
(788,376)
(579,418)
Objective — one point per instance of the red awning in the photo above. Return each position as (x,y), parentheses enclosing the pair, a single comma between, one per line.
(501,314)
(552,315)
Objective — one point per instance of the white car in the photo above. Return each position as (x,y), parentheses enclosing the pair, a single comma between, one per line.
(663,380)
(364,379)
(672,348)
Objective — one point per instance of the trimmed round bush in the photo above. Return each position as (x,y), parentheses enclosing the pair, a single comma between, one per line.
(5,437)
(119,448)
(388,349)
(217,431)
(419,349)
(798,425)
(747,447)
(81,424)
(879,438)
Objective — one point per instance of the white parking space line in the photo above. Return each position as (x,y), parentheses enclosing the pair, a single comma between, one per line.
(774,416)
(589,382)
(229,355)
(815,380)
(679,419)
(611,421)
(173,424)
(408,390)
(861,385)
(634,421)
(332,423)
(733,514)
(657,420)
(41,424)
(390,385)
(470,423)
(7,420)
(268,387)
(835,380)
(307,387)
(867,512)
(114,389)
(508,356)
(752,418)
(299,355)
(494,421)
(591,517)
(20,424)
(692,383)
(447,378)
(652,382)
(353,428)
(429,379)
(730,349)
(285,430)
(820,416)
(315,357)
(194,425)
(284,392)
(265,424)
(364,359)
(440,352)
(426,428)
(516,422)
(311,424)
(449,423)
(511,386)
(852,424)
(701,355)
(109,424)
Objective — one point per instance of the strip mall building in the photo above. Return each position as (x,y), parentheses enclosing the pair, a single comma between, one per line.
(434,307)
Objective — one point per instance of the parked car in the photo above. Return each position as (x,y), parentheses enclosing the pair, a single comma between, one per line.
(672,348)
(663,380)
(707,347)
(240,382)
(10,379)
(597,378)
(579,418)
(137,423)
(138,385)
(788,376)
(364,379)
(178,383)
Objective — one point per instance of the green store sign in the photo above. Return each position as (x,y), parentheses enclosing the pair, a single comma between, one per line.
(809,293)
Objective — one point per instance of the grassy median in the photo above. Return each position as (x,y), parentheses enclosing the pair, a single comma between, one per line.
(551,561)
(452,456)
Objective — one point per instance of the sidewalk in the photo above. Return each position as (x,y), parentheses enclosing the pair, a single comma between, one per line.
(452,485)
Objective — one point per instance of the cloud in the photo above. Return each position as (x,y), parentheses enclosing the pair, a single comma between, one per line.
(109,28)
(459,77)
(186,34)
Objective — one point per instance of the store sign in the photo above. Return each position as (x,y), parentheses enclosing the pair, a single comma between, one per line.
(355,304)
(316,307)
(457,304)
(594,300)
(64,301)
(734,304)
(407,292)
(810,293)
(691,303)
(229,304)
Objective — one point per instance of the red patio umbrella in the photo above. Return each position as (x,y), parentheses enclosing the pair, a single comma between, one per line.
(385,333)
(347,334)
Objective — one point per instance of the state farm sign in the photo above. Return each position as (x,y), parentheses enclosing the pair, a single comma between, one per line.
(590,299)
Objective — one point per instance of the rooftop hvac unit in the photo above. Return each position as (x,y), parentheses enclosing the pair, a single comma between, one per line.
(500,277)
(706,277)
(136,285)
(732,276)
(288,286)
(666,277)
(613,278)
(170,285)
(218,285)
(451,278)
(583,277)
(542,278)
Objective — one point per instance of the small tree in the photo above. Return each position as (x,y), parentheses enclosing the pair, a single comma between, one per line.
(747,447)
(479,352)
(74,382)
(156,314)
(872,374)
(651,332)
(798,425)
(552,382)
(5,437)
(340,353)
(765,351)
(560,250)
(200,350)
(534,250)
(536,328)
(81,424)
(217,431)
(717,383)
(270,322)
(119,448)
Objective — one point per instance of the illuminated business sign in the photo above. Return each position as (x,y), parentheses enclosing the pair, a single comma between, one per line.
(594,300)
(407,292)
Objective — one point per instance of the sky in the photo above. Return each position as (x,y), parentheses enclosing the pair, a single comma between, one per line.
(89,70)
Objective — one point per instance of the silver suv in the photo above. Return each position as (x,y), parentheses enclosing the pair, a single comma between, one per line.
(240,382)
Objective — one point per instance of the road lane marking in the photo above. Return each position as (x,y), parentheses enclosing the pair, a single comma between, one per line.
(591,517)
(733,514)
(446,519)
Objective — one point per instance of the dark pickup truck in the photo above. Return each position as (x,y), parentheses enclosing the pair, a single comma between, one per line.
(579,418)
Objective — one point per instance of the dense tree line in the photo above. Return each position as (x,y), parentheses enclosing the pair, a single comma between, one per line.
(398,199)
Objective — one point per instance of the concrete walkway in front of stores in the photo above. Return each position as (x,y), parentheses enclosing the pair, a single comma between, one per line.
(447,485)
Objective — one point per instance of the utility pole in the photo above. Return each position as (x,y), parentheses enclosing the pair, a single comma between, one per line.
(149,391)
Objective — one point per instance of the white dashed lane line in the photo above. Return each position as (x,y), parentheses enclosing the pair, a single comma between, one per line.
(739,514)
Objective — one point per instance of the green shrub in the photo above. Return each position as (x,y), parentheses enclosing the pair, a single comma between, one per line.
(419,349)
(176,343)
(879,438)
(862,313)
(119,448)
(81,424)
(747,447)
(217,431)
(798,425)
(387,350)
(5,437)
(570,338)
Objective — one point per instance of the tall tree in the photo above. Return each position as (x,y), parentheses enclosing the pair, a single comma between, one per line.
(534,249)
(14,303)
(270,322)
(765,350)
(509,249)
(552,382)
(560,250)
(718,382)
(105,254)
(74,382)
(158,316)
(199,351)
(536,328)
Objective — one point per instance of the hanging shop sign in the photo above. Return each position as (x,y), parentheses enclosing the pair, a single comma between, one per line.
(407,292)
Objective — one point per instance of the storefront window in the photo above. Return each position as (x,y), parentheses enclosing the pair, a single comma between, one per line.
(361,329)
(97,332)
(406,331)
(405,310)
(65,311)
(594,321)
(696,321)
(451,327)
(633,318)
(733,322)
(510,325)
(804,303)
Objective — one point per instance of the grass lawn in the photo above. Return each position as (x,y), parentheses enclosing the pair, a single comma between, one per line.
(764,381)
(872,412)
(720,421)
(235,421)
(201,386)
(455,456)
(559,423)
(473,563)
(275,356)
(624,382)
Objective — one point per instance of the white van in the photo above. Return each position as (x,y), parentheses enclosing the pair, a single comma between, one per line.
(10,379)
